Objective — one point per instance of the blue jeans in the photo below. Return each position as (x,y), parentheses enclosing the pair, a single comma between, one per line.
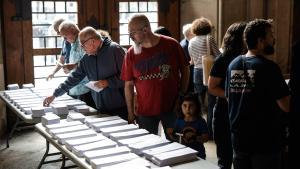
(150,123)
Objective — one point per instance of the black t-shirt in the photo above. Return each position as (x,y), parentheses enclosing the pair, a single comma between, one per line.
(253,112)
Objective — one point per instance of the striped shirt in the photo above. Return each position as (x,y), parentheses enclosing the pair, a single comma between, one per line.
(198,48)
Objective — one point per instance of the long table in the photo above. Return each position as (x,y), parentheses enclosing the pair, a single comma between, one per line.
(81,163)
(25,118)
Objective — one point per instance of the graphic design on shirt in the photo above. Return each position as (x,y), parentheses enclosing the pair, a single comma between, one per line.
(189,135)
(147,66)
(239,82)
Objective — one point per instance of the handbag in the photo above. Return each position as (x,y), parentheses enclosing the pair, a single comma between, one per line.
(207,62)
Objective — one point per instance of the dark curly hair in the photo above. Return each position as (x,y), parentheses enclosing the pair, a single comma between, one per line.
(233,42)
(192,97)
(201,26)
(254,30)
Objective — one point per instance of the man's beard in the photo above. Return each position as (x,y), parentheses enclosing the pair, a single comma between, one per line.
(137,48)
(269,50)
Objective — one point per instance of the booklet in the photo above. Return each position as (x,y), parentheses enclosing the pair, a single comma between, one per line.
(91,85)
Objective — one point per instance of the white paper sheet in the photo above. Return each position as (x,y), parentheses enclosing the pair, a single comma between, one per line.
(91,85)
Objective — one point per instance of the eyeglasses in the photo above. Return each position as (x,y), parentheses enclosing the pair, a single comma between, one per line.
(82,44)
(132,33)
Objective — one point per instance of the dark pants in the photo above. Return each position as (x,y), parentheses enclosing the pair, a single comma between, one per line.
(222,135)
(87,98)
(243,160)
(150,123)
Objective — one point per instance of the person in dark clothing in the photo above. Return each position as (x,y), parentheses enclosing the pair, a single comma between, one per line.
(184,43)
(163,31)
(102,63)
(257,96)
(232,47)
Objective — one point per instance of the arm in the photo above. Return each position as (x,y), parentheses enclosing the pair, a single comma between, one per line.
(58,66)
(284,103)
(214,86)
(203,138)
(184,81)
(129,96)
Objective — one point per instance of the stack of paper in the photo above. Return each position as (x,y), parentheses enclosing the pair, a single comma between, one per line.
(82,109)
(60,109)
(105,153)
(76,142)
(128,134)
(161,149)
(49,119)
(55,132)
(76,117)
(137,163)
(91,121)
(174,157)
(109,130)
(106,161)
(99,145)
(138,148)
(133,140)
(75,135)
(62,124)
(12,86)
(37,111)
(27,86)
(98,126)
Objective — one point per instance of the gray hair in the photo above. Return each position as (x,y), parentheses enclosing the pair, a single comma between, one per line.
(186,29)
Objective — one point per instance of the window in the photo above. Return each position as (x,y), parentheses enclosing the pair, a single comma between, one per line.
(129,8)
(46,43)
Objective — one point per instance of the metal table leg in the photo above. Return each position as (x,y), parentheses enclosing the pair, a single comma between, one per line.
(9,136)
(46,154)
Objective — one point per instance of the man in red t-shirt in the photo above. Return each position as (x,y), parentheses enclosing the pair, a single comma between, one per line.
(156,66)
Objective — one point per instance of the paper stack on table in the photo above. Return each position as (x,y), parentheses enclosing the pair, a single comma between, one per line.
(13,86)
(55,132)
(127,134)
(161,149)
(76,142)
(106,161)
(139,147)
(175,156)
(91,121)
(63,123)
(88,155)
(82,109)
(109,130)
(76,117)
(133,140)
(75,135)
(37,111)
(27,86)
(60,109)
(137,163)
(112,123)
(49,119)
(99,145)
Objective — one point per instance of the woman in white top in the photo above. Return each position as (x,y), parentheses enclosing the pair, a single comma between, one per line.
(202,28)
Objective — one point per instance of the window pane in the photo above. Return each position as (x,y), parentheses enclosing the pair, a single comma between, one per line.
(152,16)
(50,42)
(39,60)
(142,6)
(38,31)
(123,7)
(154,26)
(49,6)
(60,6)
(71,6)
(133,6)
(152,6)
(37,6)
(50,60)
(124,39)
(59,41)
(123,17)
(123,28)
(38,43)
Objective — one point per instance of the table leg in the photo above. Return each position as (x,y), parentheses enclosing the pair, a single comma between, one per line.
(9,136)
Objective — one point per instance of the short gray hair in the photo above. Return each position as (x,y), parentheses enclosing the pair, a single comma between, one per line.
(186,29)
